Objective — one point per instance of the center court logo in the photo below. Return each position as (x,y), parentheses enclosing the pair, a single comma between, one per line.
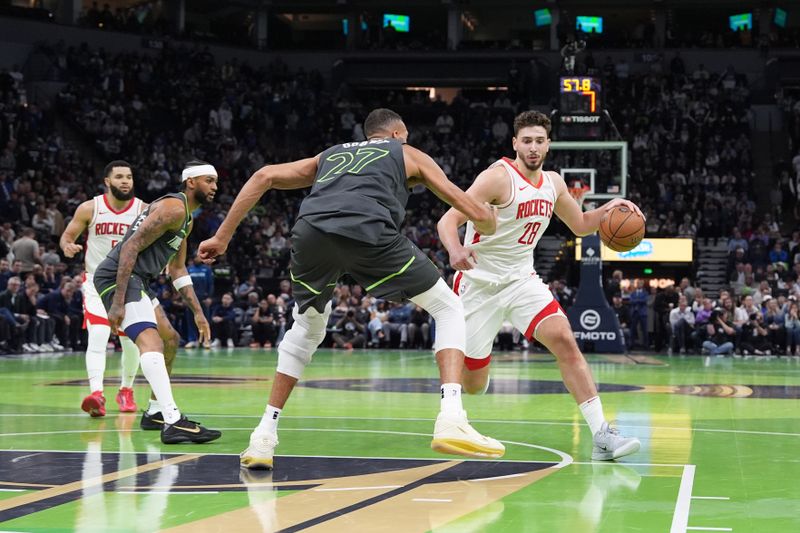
(590,319)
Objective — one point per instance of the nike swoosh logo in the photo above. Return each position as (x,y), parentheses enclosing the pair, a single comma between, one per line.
(523,188)
(190,430)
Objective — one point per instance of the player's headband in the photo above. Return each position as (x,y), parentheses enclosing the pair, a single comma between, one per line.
(199,170)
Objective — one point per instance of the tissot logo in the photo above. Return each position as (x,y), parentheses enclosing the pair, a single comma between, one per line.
(590,319)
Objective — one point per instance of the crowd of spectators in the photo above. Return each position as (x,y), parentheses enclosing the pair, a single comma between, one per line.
(690,130)
(755,314)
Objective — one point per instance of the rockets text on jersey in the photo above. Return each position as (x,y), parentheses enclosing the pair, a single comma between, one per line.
(107,228)
(508,254)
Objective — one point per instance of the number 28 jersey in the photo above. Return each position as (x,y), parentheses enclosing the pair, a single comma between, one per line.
(508,254)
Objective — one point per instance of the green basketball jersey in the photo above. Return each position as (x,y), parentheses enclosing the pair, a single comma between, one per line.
(152,260)
(359,190)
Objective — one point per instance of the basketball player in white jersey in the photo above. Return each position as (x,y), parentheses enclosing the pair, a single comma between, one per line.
(106,219)
(496,279)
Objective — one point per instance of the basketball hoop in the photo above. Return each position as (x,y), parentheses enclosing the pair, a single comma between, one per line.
(578,191)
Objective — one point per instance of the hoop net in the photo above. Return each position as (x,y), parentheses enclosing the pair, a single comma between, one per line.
(578,190)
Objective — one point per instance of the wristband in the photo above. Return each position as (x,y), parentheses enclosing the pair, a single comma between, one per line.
(182,282)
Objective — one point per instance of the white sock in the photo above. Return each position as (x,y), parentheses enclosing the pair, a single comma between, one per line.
(96,355)
(269,422)
(154,407)
(155,371)
(592,410)
(130,361)
(451,398)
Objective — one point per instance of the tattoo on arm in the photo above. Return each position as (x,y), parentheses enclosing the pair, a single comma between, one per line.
(151,228)
(190,298)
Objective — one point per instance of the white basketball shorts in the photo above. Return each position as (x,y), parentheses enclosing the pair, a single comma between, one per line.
(525,303)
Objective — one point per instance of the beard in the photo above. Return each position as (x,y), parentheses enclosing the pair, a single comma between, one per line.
(119,195)
(529,166)
(201,198)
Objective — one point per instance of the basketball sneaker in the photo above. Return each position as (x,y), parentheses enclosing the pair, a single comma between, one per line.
(185,430)
(152,422)
(452,434)
(95,404)
(610,445)
(125,400)
(259,454)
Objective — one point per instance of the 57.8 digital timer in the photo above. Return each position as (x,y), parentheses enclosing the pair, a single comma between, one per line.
(580,95)
(580,113)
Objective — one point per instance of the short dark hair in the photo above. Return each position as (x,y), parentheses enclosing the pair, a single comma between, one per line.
(380,120)
(527,119)
(116,163)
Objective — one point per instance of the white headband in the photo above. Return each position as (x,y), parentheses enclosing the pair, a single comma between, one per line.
(199,170)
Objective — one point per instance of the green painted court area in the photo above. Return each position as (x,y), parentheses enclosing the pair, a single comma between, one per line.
(720,441)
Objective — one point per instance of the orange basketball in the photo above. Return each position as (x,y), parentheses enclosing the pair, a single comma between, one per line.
(621,229)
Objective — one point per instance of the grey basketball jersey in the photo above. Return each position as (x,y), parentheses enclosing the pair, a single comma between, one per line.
(152,260)
(359,190)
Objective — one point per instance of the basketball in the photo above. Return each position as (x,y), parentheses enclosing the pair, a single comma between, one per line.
(621,229)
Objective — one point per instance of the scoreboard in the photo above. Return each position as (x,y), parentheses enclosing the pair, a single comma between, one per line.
(580,108)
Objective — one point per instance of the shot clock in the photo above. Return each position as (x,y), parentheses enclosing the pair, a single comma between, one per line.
(580,108)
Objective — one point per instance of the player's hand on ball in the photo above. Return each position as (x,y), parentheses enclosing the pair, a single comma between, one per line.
(203,329)
(71,249)
(617,202)
(211,248)
(115,316)
(463,259)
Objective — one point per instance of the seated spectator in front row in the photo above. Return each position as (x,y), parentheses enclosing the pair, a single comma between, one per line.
(378,316)
(54,307)
(755,337)
(774,321)
(399,317)
(624,318)
(720,334)
(792,324)
(681,321)
(265,323)
(349,332)
(419,328)
(223,322)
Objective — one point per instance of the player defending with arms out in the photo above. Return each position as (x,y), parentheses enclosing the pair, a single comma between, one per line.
(497,281)
(350,223)
(105,219)
(155,240)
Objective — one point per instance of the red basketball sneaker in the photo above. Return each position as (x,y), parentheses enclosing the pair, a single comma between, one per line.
(95,404)
(125,400)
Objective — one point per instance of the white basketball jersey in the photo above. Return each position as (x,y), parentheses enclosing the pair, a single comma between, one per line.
(107,228)
(508,254)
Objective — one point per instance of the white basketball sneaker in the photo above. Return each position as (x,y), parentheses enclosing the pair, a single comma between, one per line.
(452,434)
(610,445)
(258,455)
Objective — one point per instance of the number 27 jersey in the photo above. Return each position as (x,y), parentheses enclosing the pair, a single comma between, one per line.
(508,254)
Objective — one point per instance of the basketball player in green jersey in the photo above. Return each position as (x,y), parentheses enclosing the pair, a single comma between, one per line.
(157,240)
(349,224)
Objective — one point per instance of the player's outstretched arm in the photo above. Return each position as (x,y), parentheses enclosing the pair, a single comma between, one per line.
(583,223)
(165,215)
(182,281)
(490,187)
(295,175)
(80,221)
(421,165)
